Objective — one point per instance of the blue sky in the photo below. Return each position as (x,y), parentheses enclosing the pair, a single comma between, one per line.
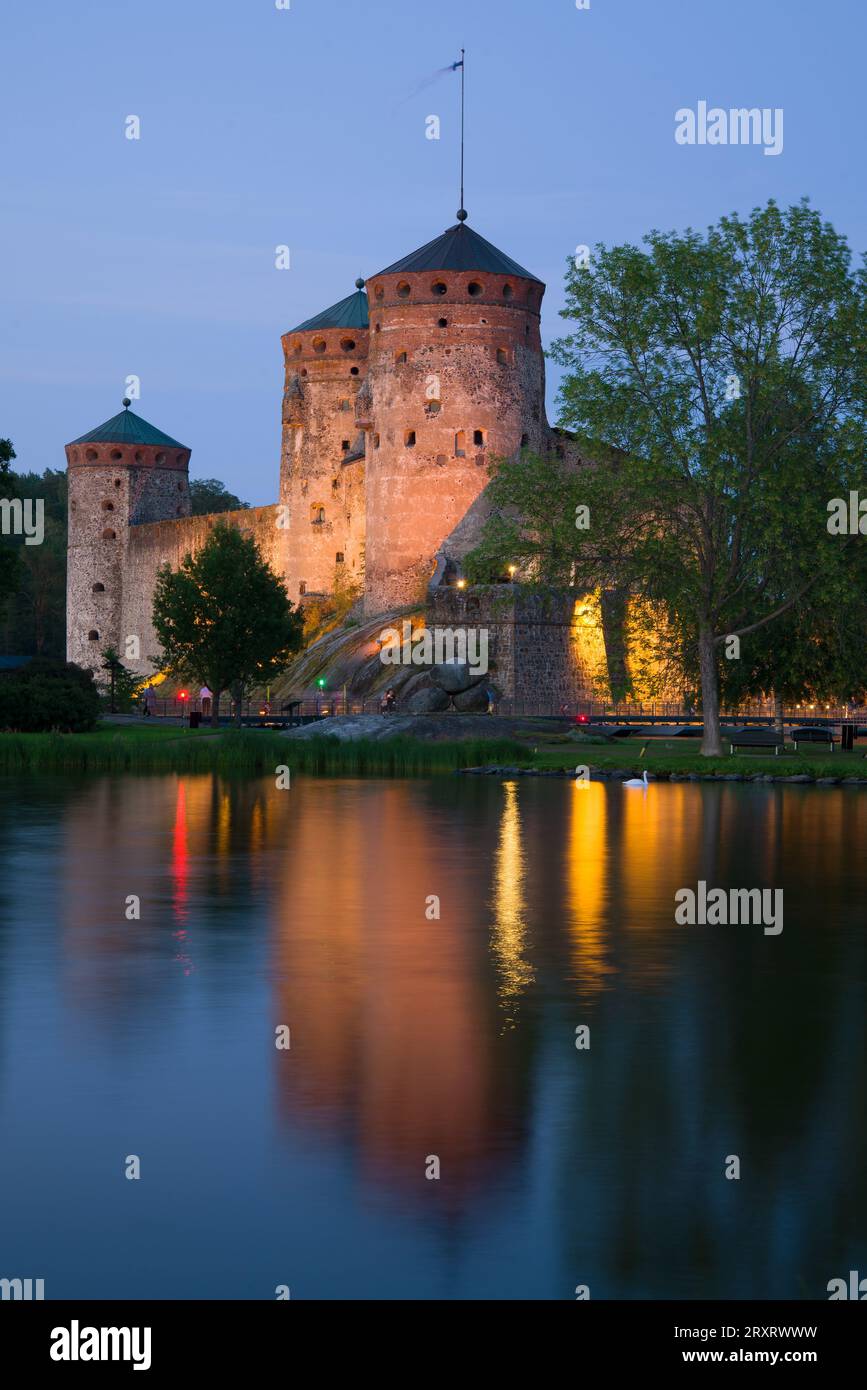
(306,127)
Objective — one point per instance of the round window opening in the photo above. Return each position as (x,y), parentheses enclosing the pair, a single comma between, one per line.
(474,289)
(439,287)
(403,290)
(116,454)
(91,455)
(442,323)
(160,458)
(508,292)
(318,344)
(378,292)
(348,344)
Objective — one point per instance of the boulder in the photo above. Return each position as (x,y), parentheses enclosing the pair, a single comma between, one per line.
(476,698)
(427,700)
(455,676)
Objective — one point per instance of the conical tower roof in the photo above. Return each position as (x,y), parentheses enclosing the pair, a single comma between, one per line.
(350,312)
(459,248)
(127,428)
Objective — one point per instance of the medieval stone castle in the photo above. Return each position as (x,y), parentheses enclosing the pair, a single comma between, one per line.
(395,399)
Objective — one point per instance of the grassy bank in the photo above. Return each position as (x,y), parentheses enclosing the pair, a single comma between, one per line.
(145,748)
(683,756)
(154,748)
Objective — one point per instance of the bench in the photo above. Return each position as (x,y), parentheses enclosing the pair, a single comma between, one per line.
(756,738)
(813,733)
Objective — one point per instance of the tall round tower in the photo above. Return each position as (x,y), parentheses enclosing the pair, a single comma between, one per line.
(456,373)
(125,471)
(322,457)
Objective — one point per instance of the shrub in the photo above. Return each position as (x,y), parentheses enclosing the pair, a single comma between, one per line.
(48,694)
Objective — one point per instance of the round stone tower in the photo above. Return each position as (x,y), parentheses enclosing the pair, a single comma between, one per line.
(322,456)
(456,374)
(122,473)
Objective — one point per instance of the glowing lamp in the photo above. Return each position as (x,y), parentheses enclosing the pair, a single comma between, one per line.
(182,695)
(462,583)
(321,682)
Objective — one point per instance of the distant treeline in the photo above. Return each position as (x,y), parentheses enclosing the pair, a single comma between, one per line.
(33,616)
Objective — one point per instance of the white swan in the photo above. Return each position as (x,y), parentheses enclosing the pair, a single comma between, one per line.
(637,781)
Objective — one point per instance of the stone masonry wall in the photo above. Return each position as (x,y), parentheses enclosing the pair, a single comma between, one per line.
(167,542)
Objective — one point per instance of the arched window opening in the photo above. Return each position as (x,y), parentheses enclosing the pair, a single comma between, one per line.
(508,292)
(403,290)
(93,635)
(318,344)
(347,344)
(479,438)
(400,358)
(98,589)
(502,356)
(409,439)
(160,458)
(108,535)
(108,506)
(461,444)
(338,558)
(317,514)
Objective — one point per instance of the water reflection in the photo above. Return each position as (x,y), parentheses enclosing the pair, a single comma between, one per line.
(451,1036)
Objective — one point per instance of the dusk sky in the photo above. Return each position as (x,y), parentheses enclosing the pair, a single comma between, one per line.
(306,127)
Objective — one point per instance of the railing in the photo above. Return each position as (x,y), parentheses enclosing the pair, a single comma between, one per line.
(262,711)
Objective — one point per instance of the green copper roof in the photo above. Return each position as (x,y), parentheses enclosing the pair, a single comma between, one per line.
(460,249)
(349,313)
(127,428)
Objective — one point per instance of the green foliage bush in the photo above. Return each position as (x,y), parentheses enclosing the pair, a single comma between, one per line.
(46,695)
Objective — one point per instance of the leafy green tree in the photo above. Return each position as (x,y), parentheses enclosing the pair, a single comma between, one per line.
(9,568)
(224,618)
(35,617)
(119,686)
(208,495)
(727,376)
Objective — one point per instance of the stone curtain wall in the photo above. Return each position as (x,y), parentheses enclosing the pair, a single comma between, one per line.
(167,542)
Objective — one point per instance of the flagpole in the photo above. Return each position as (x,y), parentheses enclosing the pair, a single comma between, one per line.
(463,96)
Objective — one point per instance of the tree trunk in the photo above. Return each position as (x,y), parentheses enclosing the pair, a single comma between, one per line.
(239,700)
(215,709)
(711,744)
(612,606)
(778,712)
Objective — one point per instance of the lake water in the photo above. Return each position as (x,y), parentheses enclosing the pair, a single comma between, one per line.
(414,1038)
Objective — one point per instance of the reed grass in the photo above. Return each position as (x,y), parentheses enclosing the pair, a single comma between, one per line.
(135,749)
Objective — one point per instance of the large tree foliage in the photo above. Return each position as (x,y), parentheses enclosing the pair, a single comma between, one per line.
(208,495)
(727,376)
(9,570)
(34,621)
(224,618)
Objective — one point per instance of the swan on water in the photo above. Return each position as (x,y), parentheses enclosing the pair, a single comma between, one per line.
(637,781)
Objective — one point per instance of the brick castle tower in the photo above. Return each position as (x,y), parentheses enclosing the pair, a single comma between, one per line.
(456,377)
(121,473)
